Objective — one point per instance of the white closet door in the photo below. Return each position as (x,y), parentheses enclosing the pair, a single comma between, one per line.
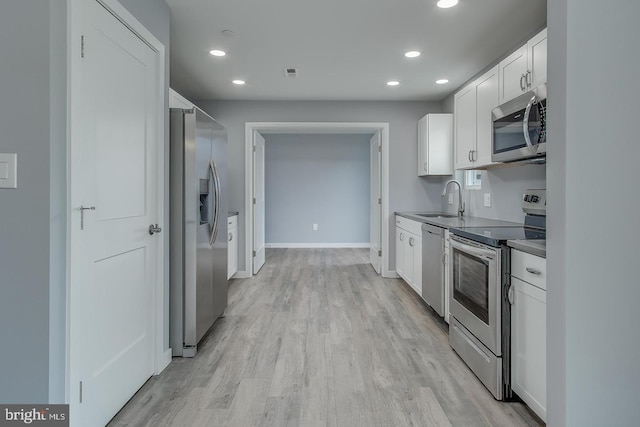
(113,256)
(258,202)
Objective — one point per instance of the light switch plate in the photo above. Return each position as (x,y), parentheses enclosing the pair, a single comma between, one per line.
(487,200)
(8,170)
(315,227)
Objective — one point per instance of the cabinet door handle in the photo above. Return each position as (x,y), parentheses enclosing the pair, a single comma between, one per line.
(401,237)
(425,167)
(522,82)
(510,294)
(230,236)
(469,156)
(411,241)
(533,271)
(529,78)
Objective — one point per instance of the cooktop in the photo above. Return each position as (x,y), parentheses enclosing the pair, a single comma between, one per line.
(495,236)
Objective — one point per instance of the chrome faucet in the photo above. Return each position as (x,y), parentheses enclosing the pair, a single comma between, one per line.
(460,202)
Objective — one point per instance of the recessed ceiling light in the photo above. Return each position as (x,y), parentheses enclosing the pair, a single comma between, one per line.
(442,81)
(444,4)
(228,33)
(238,82)
(217,52)
(393,83)
(412,54)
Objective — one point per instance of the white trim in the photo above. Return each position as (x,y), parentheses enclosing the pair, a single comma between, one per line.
(317,245)
(315,128)
(167,356)
(244,274)
(74,31)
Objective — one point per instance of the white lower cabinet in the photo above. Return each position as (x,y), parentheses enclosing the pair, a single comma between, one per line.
(529,332)
(409,252)
(232,249)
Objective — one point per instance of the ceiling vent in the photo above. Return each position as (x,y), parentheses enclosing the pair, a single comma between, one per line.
(290,72)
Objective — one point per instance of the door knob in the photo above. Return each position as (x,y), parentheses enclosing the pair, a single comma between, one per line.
(154,229)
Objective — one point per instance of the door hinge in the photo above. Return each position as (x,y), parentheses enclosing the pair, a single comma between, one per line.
(81,46)
(379,149)
(379,201)
(254,253)
(254,200)
(80,391)
(254,148)
(380,252)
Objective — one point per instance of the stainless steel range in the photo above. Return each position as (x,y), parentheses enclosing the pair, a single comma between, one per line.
(480,329)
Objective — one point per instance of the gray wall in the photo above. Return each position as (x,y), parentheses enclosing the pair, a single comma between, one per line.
(57,206)
(321,179)
(24,212)
(407,192)
(506,185)
(557,215)
(594,345)
(33,40)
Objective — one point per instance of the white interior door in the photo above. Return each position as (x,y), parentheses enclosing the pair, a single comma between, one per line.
(376,202)
(113,255)
(258,202)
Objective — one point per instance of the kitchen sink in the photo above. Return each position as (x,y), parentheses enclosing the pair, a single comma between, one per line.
(438,215)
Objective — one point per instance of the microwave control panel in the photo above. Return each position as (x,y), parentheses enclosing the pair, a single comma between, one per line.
(535,202)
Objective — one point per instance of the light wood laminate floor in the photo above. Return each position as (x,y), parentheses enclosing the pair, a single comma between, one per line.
(318,339)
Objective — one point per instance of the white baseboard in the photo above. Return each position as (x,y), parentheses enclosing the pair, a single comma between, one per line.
(317,245)
(242,275)
(391,274)
(164,361)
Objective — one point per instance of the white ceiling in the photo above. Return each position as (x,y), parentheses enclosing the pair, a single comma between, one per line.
(343,49)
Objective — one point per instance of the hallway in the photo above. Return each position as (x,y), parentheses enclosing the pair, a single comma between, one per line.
(318,339)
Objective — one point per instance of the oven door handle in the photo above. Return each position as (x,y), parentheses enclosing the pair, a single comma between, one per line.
(472,250)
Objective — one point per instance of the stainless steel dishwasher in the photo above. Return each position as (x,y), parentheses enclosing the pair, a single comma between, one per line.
(433,267)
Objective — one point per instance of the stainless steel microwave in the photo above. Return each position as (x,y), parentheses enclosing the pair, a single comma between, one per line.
(519,127)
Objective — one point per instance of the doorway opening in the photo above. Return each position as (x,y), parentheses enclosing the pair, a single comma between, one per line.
(254,185)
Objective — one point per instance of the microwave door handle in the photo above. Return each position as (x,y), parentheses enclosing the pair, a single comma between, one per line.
(525,124)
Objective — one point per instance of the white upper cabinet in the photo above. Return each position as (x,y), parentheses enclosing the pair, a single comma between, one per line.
(465,126)
(435,145)
(537,57)
(487,98)
(513,69)
(473,131)
(525,68)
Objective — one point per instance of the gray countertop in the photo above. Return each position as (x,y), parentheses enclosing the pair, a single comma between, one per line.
(456,222)
(533,247)
(232,214)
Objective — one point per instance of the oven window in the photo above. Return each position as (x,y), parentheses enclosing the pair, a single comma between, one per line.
(471,284)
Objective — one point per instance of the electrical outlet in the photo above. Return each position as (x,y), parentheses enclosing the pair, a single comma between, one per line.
(487,200)
(450,198)
(315,227)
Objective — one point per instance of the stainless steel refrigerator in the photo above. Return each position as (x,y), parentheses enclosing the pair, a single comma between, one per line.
(198,238)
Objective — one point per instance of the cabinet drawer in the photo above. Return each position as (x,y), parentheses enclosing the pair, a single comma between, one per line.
(232,221)
(411,226)
(530,268)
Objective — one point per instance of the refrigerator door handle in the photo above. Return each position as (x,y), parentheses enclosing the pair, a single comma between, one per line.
(216,216)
